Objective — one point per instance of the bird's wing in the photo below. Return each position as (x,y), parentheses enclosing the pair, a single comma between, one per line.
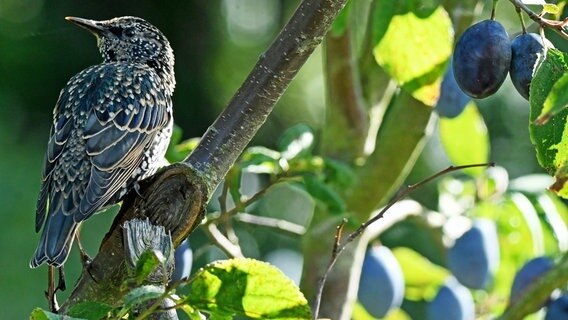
(106,118)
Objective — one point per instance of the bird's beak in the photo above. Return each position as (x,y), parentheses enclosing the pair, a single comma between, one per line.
(91,25)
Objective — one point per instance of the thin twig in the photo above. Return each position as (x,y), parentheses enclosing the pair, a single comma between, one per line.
(271,222)
(520,14)
(225,218)
(558,26)
(221,241)
(338,249)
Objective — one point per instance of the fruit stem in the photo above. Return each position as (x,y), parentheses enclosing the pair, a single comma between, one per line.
(493,9)
(555,25)
(520,13)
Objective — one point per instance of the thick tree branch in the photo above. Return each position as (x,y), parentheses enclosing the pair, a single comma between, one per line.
(225,140)
(347,122)
(399,142)
(176,197)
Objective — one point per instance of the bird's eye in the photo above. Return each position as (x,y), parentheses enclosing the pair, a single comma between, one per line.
(117,31)
(129,33)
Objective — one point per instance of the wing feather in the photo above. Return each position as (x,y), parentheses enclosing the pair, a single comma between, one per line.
(99,137)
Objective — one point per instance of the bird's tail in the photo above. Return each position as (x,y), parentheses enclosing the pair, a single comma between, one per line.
(56,240)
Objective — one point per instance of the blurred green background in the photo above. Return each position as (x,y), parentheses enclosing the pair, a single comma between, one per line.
(216,43)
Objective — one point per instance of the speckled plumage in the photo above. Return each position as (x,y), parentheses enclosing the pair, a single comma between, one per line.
(112,124)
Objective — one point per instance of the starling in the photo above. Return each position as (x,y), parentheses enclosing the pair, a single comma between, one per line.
(111,126)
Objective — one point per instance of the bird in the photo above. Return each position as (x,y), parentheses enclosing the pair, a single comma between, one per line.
(111,127)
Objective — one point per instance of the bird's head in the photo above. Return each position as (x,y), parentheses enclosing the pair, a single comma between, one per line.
(130,39)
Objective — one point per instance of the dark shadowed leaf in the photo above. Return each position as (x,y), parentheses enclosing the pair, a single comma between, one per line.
(90,310)
(142,294)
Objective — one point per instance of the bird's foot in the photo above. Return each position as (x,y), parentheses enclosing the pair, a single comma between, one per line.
(50,294)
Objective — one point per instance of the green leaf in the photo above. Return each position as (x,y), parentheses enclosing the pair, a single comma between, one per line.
(551,8)
(148,262)
(422,278)
(191,312)
(325,193)
(465,139)
(550,139)
(249,288)
(360,313)
(40,314)
(556,101)
(234,178)
(414,46)
(296,141)
(339,172)
(554,227)
(90,310)
(142,294)
(261,160)
(178,152)
(289,202)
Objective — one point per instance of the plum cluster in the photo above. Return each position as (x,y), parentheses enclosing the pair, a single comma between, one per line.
(473,261)
(482,58)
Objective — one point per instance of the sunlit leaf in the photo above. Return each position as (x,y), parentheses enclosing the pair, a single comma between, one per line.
(296,141)
(554,227)
(550,139)
(422,278)
(261,160)
(465,139)
(414,46)
(249,288)
(551,8)
(556,101)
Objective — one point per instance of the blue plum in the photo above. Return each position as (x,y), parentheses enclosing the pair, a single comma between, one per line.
(452,100)
(526,49)
(183,261)
(482,58)
(474,258)
(453,302)
(558,309)
(528,274)
(381,286)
